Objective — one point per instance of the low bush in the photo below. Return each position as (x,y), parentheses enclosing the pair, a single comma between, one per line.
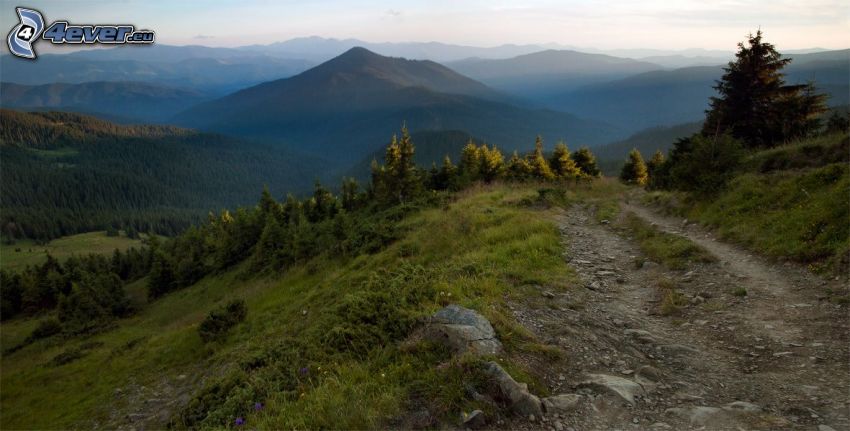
(220,320)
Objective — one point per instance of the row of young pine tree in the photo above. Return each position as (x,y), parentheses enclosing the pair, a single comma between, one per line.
(754,109)
(399,179)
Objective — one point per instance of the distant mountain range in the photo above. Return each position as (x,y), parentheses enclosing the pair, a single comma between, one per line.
(353,102)
(348,107)
(221,72)
(538,74)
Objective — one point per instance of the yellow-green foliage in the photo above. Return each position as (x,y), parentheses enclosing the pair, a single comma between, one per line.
(290,353)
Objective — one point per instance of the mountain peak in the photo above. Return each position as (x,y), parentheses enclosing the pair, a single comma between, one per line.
(359,53)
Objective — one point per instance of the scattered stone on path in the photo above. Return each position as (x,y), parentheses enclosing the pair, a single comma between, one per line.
(742,406)
(563,403)
(614,385)
(702,415)
(678,349)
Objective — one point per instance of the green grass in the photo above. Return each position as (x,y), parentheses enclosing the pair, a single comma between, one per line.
(479,251)
(672,251)
(789,203)
(800,215)
(25,252)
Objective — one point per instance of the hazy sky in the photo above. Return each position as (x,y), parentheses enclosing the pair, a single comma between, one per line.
(603,24)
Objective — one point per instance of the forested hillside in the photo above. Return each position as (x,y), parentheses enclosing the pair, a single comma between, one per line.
(68,173)
(131,101)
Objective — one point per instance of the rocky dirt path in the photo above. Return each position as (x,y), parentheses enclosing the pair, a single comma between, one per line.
(776,358)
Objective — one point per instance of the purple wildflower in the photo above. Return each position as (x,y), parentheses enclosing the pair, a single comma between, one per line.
(304,371)
(258,406)
(240,421)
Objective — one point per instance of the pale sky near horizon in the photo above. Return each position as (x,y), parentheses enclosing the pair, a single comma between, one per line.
(603,24)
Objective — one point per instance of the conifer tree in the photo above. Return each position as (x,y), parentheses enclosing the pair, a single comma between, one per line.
(293,211)
(655,170)
(469,162)
(539,165)
(562,164)
(322,205)
(518,168)
(448,175)
(272,241)
(350,194)
(398,180)
(634,171)
(586,162)
(755,105)
(491,163)
(267,203)
(409,182)
(161,278)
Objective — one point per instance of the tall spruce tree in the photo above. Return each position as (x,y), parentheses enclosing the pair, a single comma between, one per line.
(755,105)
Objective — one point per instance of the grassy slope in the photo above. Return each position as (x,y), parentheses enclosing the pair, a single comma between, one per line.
(32,254)
(789,202)
(479,251)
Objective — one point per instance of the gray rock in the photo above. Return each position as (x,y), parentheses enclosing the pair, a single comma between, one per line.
(741,406)
(701,415)
(614,385)
(520,400)
(463,330)
(649,373)
(825,428)
(645,337)
(648,264)
(475,420)
(563,403)
(678,349)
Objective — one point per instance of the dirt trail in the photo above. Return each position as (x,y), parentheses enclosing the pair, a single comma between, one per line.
(774,359)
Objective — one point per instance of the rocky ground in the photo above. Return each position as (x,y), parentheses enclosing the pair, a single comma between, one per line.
(776,358)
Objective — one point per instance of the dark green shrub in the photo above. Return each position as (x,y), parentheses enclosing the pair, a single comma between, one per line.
(705,164)
(46,328)
(220,320)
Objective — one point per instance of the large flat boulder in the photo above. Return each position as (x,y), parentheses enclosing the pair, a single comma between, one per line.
(463,330)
